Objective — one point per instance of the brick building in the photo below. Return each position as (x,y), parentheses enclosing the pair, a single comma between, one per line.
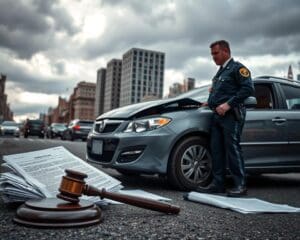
(83,101)
(80,105)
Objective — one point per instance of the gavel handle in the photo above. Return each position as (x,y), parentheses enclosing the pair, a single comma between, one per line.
(132,200)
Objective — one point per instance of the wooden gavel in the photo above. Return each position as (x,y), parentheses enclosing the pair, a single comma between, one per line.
(73,186)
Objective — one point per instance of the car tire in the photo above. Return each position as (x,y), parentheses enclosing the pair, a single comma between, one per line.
(190,164)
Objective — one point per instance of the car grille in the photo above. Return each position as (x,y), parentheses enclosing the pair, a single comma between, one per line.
(106,126)
(8,132)
(105,157)
(109,147)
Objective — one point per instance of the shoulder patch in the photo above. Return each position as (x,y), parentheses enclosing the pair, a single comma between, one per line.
(244,72)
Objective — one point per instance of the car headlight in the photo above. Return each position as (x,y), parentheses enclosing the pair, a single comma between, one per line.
(148,124)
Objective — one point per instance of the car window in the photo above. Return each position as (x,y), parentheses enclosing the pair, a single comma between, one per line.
(9,123)
(264,96)
(292,96)
(35,123)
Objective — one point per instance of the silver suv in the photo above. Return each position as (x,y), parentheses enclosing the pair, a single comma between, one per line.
(170,136)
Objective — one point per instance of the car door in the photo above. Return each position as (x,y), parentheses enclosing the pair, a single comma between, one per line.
(264,139)
(291,96)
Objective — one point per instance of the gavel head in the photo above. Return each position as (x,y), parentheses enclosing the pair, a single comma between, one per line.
(72,186)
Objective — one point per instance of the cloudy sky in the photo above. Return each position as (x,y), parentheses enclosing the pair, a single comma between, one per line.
(48,46)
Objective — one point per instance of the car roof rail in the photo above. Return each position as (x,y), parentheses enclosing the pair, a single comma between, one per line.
(279,78)
(269,77)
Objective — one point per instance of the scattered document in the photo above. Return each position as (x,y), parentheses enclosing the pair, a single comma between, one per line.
(38,174)
(241,205)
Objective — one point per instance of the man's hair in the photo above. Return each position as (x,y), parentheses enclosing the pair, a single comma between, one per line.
(221,43)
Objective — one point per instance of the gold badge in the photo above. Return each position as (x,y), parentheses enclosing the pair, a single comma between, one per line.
(244,72)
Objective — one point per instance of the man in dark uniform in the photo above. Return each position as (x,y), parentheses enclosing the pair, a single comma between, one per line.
(231,86)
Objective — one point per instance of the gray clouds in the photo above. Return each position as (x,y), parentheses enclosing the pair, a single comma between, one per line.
(28,27)
(181,29)
(250,26)
(21,77)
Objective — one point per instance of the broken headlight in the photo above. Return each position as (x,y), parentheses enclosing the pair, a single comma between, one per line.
(148,124)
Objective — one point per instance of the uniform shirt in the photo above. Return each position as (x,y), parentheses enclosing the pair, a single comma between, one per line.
(231,84)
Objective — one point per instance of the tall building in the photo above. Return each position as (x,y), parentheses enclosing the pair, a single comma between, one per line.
(112,84)
(178,88)
(188,84)
(83,100)
(100,91)
(5,112)
(142,75)
(175,89)
(290,73)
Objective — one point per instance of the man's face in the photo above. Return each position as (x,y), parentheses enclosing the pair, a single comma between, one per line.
(220,55)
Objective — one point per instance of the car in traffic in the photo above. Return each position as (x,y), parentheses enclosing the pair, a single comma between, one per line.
(34,127)
(170,137)
(77,129)
(9,128)
(56,130)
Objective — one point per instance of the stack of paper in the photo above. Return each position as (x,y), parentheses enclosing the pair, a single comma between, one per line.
(38,174)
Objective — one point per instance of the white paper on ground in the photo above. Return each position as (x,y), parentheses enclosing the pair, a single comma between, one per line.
(242,205)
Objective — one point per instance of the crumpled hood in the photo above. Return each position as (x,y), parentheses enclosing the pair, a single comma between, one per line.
(147,108)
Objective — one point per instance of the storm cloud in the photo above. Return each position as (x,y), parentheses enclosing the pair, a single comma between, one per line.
(74,38)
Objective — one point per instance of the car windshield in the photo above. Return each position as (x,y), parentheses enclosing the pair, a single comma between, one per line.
(59,125)
(85,123)
(199,94)
(9,123)
(35,122)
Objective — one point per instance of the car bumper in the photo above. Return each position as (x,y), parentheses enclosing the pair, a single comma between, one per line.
(34,132)
(146,152)
(80,134)
(56,134)
(10,133)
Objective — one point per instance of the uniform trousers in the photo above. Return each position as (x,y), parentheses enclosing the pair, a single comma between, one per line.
(226,149)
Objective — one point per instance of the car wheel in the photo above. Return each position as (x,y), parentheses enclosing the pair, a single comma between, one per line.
(127,172)
(190,164)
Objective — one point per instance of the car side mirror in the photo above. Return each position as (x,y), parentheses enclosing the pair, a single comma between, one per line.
(250,102)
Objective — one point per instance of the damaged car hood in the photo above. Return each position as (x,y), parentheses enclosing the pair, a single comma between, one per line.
(150,108)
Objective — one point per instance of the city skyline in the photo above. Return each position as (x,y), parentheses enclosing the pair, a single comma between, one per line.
(47,47)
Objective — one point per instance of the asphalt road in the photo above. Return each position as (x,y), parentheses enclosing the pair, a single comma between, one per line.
(195,221)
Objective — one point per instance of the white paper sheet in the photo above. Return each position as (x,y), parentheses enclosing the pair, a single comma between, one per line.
(242,205)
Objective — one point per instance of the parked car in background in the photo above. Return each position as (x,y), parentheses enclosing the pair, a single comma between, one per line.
(170,137)
(34,128)
(56,130)
(10,128)
(78,129)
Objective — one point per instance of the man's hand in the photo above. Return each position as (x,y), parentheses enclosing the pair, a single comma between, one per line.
(222,109)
